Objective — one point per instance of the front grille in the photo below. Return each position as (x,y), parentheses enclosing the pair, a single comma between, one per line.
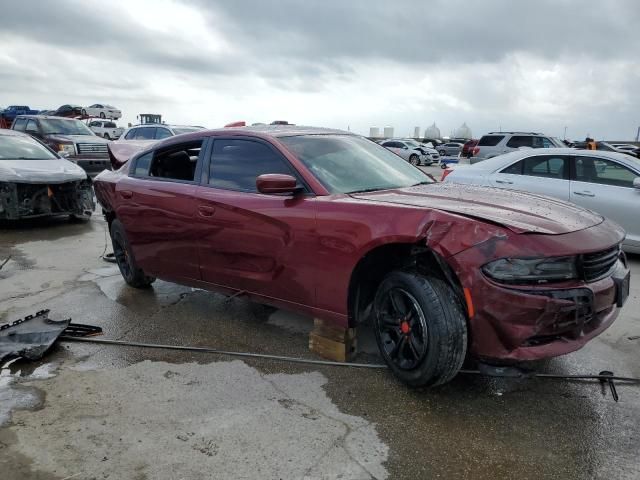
(95,148)
(598,265)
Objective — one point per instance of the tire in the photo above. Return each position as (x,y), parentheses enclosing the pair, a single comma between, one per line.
(443,166)
(84,112)
(106,135)
(414,160)
(442,153)
(132,274)
(102,115)
(420,328)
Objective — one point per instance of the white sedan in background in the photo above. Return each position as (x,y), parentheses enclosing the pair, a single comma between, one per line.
(102,110)
(412,151)
(606,182)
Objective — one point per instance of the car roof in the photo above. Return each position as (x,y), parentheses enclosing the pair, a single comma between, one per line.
(283,130)
(45,117)
(501,160)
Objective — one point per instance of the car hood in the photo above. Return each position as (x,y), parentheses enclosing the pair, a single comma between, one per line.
(40,171)
(521,212)
(77,138)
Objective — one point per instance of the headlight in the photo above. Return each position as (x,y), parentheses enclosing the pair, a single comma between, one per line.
(532,270)
(66,149)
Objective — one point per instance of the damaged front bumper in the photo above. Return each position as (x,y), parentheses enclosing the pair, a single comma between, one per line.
(30,200)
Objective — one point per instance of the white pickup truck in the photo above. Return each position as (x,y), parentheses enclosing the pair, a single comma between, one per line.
(105,128)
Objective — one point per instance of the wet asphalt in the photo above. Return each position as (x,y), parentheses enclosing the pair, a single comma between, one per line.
(315,422)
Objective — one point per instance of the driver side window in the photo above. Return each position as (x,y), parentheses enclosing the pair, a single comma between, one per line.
(236,164)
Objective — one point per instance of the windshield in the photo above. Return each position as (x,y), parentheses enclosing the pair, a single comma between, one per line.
(14,147)
(51,126)
(180,130)
(350,164)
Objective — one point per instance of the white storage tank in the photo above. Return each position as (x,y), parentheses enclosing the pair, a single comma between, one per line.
(388,132)
(374,132)
(463,132)
(432,132)
(416,132)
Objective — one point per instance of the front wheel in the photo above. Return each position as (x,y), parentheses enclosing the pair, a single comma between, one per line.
(106,135)
(414,160)
(129,270)
(443,166)
(420,328)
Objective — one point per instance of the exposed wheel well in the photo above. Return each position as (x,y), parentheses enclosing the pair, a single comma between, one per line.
(377,263)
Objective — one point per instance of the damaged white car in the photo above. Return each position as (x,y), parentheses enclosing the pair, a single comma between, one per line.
(36,182)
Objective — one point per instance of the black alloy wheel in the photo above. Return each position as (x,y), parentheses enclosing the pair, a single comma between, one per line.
(414,160)
(403,329)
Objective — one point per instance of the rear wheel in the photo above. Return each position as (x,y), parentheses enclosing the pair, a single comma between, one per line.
(414,160)
(131,273)
(420,328)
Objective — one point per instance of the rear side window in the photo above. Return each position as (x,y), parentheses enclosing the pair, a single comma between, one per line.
(32,127)
(20,124)
(145,133)
(542,142)
(604,172)
(515,169)
(109,125)
(142,165)
(131,134)
(490,140)
(162,133)
(518,141)
(236,164)
(177,162)
(547,166)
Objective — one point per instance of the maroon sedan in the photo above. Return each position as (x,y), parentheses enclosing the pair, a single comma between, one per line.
(332,225)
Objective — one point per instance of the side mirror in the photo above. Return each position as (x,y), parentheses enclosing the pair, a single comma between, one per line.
(636,182)
(271,183)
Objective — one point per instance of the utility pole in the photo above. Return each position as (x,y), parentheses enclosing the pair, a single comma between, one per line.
(565,133)
(638,135)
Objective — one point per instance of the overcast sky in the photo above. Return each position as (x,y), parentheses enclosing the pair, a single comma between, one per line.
(522,65)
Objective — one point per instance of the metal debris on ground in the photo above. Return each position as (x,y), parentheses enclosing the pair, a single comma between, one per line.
(30,337)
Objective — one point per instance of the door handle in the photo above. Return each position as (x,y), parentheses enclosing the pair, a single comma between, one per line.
(126,194)
(585,194)
(205,211)
(507,182)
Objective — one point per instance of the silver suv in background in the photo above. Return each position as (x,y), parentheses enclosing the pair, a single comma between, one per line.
(497,143)
(156,131)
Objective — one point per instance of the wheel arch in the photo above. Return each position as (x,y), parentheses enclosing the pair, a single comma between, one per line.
(374,265)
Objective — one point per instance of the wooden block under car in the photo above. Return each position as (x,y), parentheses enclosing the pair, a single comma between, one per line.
(332,342)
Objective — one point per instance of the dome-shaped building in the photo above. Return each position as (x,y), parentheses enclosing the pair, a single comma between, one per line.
(463,132)
(432,132)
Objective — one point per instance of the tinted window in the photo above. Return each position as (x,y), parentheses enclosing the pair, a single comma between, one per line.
(95,124)
(175,163)
(605,172)
(19,124)
(515,169)
(109,125)
(542,142)
(146,133)
(237,163)
(162,133)
(518,141)
(142,164)
(32,127)
(490,140)
(131,134)
(547,166)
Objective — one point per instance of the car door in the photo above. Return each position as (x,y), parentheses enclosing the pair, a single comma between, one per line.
(606,186)
(398,148)
(157,208)
(250,241)
(543,174)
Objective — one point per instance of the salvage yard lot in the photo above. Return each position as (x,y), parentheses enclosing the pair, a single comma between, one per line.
(90,411)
